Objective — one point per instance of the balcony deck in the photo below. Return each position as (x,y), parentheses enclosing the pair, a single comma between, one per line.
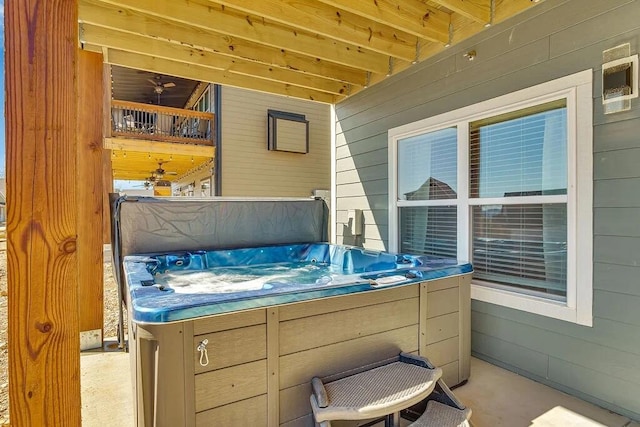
(158,123)
(141,136)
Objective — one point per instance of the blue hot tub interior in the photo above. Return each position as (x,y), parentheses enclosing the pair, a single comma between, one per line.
(178,286)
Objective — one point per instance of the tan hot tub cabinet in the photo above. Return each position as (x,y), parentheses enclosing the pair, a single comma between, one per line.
(261,361)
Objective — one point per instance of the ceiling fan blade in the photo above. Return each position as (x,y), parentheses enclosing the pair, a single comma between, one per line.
(171,173)
(169,84)
(153,82)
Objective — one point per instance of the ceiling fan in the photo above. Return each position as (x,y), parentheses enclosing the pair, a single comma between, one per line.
(159,173)
(158,86)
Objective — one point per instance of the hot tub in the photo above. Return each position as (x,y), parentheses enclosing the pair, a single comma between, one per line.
(184,285)
(233,336)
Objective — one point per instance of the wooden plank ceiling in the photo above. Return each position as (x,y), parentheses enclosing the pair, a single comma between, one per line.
(322,50)
(135,85)
(139,160)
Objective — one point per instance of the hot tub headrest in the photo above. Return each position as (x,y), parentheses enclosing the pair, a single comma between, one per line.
(146,224)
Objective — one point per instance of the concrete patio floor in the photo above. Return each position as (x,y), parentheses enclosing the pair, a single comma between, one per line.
(496,396)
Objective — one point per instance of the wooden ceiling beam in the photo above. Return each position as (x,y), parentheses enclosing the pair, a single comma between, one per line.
(157,147)
(119,40)
(91,47)
(505,9)
(429,23)
(331,22)
(478,10)
(111,17)
(138,171)
(130,171)
(200,73)
(216,18)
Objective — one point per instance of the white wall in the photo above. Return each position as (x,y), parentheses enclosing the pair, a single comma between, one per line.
(197,177)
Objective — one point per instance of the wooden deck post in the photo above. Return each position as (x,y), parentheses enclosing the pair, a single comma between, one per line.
(107,181)
(41,105)
(90,199)
(107,167)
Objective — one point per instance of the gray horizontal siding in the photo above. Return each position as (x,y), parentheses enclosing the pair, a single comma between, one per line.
(618,193)
(623,279)
(362,174)
(617,250)
(596,21)
(620,336)
(617,307)
(603,359)
(617,222)
(373,202)
(371,158)
(528,362)
(556,38)
(618,135)
(590,385)
(617,164)
(374,188)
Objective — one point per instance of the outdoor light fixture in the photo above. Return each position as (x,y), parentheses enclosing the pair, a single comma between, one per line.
(619,79)
(471,55)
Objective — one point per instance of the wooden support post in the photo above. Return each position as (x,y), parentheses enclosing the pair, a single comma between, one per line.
(107,169)
(41,104)
(90,199)
(107,181)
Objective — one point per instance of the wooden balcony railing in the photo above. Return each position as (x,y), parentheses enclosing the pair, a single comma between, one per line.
(158,123)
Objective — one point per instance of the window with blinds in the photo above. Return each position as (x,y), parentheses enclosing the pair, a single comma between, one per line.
(518,187)
(506,184)
(427,192)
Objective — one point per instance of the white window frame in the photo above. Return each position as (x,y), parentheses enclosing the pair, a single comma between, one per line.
(577,89)
(206,93)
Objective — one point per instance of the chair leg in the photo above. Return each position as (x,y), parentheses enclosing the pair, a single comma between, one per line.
(392,420)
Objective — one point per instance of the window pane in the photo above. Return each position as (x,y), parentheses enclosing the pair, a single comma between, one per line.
(429,230)
(521,245)
(427,166)
(522,153)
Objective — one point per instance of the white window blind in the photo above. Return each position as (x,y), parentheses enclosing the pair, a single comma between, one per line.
(523,155)
(521,245)
(429,230)
(427,178)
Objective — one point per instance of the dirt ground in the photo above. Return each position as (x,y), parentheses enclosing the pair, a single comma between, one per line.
(4,374)
(110,326)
